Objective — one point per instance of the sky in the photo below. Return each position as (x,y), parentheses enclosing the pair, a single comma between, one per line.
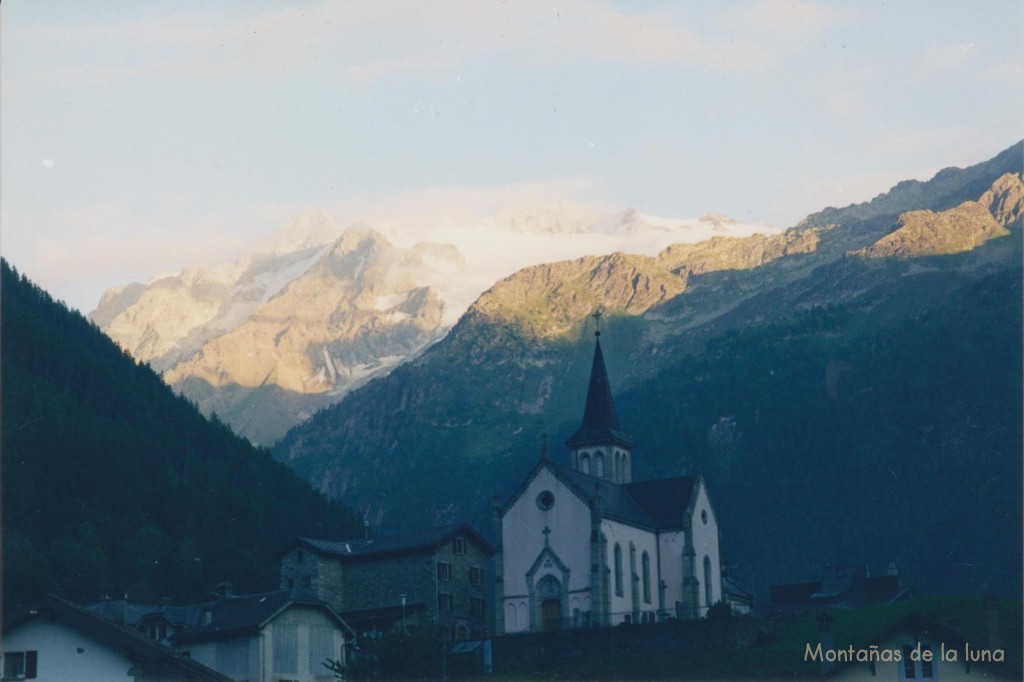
(138,137)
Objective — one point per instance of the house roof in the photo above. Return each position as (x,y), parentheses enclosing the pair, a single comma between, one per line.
(393,544)
(233,615)
(600,423)
(159,662)
(737,591)
(844,586)
(135,613)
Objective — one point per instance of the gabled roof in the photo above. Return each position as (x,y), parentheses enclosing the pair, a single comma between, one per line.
(158,661)
(600,423)
(388,545)
(657,505)
(135,613)
(235,615)
(666,500)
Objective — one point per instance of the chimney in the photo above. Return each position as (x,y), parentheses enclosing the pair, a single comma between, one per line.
(992,621)
(223,590)
(119,609)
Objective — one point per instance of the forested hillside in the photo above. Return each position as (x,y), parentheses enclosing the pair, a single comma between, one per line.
(111,482)
(851,389)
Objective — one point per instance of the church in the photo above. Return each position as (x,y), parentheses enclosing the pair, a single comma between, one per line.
(584,545)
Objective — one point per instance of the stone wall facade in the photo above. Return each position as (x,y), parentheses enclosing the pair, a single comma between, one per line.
(449,581)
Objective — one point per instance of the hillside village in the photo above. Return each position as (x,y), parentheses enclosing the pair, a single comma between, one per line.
(588,569)
(582,550)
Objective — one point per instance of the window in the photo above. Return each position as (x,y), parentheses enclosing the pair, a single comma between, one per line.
(599,465)
(20,665)
(444,571)
(444,602)
(618,570)
(460,546)
(585,463)
(476,575)
(476,606)
(926,666)
(546,500)
(919,668)
(908,663)
(645,563)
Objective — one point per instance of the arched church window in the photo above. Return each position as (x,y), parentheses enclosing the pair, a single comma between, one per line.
(511,624)
(599,465)
(645,567)
(707,581)
(618,570)
(585,463)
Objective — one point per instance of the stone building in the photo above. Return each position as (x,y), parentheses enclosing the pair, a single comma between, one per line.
(584,545)
(436,577)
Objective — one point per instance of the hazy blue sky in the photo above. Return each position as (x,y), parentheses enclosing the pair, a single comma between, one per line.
(140,136)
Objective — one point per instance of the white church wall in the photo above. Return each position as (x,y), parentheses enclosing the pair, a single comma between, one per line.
(705,544)
(642,540)
(568,519)
(671,546)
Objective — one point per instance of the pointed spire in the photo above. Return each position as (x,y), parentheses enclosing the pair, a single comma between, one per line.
(600,423)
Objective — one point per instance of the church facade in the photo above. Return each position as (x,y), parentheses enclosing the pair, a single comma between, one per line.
(583,545)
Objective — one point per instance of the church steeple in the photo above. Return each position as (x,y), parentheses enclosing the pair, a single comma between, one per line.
(599,447)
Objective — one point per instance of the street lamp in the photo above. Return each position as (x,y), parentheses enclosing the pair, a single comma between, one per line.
(403,596)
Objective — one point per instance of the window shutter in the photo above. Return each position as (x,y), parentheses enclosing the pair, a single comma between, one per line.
(30,664)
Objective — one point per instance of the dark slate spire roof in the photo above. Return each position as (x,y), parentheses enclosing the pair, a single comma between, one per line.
(600,424)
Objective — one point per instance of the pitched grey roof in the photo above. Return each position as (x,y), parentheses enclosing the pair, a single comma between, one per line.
(135,613)
(234,615)
(394,544)
(665,500)
(600,423)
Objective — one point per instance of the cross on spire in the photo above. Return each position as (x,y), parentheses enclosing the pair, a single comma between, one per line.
(544,445)
(547,532)
(597,321)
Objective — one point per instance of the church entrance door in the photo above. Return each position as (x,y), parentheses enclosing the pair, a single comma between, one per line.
(551,614)
(549,592)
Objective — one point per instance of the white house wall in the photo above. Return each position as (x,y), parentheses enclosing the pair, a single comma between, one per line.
(238,658)
(523,541)
(643,540)
(59,658)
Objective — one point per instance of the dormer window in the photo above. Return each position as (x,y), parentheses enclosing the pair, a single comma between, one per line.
(460,545)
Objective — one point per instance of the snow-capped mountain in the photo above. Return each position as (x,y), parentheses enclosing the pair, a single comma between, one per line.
(317,309)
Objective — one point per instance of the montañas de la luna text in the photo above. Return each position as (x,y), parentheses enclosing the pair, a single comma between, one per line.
(876,654)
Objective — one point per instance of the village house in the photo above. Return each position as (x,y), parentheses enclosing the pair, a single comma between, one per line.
(281,635)
(585,545)
(842,586)
(436,577)
(56,641)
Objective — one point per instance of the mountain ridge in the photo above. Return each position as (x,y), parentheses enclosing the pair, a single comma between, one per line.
(471,408)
